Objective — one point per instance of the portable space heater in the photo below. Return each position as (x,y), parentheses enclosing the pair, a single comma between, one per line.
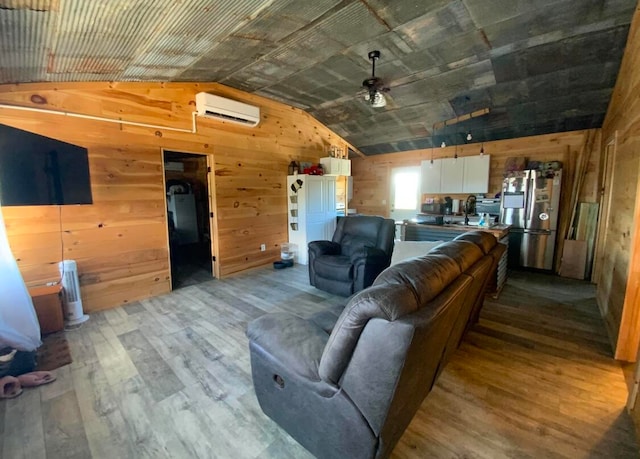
(73,313)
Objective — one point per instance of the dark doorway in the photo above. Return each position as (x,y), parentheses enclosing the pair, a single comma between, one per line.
(188,215)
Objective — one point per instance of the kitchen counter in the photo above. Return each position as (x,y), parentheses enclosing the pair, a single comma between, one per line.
(413,230)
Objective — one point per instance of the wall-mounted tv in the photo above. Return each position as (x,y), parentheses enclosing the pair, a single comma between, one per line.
(39,171)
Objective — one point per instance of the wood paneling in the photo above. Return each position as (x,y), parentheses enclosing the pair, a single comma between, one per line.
(371,175)
(618,291)
(120,242)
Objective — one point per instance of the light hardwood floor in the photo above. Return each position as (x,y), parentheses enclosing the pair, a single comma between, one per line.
(170,377)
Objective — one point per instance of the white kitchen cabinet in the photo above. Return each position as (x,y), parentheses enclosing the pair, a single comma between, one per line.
(336,166)
(312,211)
(452,175)
(476,174)
(469,174)
(346,167)
(430,176)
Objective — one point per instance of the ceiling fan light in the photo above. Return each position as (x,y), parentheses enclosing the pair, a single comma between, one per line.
(378,100)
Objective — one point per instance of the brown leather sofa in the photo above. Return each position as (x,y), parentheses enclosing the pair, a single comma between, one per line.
(348,385)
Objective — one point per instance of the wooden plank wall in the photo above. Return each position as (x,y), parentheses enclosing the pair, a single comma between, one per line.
(120,242)
(371,175)
(618,290)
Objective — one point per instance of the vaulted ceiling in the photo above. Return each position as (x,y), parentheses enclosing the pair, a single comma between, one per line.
(540,66)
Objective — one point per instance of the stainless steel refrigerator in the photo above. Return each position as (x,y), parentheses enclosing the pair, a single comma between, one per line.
(530,204)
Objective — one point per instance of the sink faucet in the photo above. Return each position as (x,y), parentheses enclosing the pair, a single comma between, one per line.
(468,207)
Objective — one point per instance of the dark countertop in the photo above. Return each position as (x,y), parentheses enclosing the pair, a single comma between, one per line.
(498,230)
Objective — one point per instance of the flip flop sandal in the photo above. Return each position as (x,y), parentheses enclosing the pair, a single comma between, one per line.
(10,387)
(36,378)
(8,357)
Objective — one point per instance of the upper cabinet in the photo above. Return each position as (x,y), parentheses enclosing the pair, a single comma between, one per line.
(430,175)
(469,174)
(452,175)
(476,174)
(336,166)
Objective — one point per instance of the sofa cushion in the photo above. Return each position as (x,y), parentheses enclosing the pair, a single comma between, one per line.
(410,249)
(337,267)
(486,241)
(464,253)
(383,301)
(426,276)
(399,290)
(327,319)
(295,342)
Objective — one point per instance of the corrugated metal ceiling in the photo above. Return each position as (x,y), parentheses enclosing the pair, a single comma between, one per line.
(539,65)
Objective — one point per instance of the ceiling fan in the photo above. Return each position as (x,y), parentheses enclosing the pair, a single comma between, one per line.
(374,86)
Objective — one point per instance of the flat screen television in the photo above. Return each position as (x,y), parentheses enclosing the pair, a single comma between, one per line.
(37,171)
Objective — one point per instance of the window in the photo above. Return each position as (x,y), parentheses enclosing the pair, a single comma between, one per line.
(405,193)
(406,183)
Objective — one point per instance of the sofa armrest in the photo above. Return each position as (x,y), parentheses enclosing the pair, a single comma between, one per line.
(295,343)
(317,248)
(370,255)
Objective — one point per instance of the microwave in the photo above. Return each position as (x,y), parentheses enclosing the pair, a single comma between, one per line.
(432,208)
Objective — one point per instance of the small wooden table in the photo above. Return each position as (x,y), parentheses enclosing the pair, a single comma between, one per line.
(47,301)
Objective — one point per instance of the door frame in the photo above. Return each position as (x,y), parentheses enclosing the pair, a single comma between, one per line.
(213,216)
(213,220)
(606,180)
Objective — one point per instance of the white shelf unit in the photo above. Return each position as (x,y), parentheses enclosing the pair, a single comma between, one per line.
(311,211)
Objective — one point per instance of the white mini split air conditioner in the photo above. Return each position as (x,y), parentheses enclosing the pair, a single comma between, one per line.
(217,107)
(73,313)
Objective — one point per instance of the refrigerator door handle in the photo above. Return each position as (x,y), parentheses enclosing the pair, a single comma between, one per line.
(528,190)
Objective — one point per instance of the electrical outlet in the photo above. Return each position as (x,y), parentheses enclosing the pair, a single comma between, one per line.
(263,247)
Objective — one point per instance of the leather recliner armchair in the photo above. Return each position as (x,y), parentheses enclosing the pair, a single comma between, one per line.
(361,249)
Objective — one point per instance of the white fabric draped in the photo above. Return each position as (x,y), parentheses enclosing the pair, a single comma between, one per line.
(19,326)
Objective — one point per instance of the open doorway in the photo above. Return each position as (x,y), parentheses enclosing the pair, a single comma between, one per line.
(405,194)
(188,217)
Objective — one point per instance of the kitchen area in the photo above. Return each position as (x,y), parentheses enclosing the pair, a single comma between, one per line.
(523,215)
